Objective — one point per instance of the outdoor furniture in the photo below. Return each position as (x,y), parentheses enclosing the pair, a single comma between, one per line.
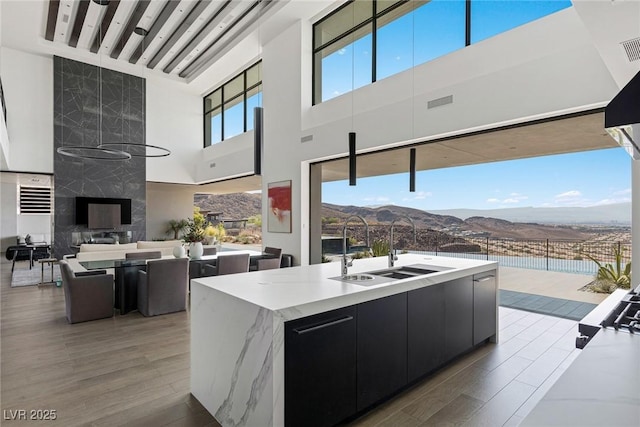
(86,297)
(163,287)
(228,264)
(51,262)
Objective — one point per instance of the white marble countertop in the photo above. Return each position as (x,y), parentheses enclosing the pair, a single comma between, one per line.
(600,388)
(297,291)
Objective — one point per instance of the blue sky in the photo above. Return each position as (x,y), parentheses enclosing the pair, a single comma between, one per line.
(589,178)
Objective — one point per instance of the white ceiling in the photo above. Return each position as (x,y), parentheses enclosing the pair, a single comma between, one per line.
(197,34)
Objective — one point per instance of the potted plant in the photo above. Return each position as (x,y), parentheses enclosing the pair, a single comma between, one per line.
(195,235)
(176,226)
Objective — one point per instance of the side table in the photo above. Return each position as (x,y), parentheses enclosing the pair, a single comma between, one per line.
(51,262)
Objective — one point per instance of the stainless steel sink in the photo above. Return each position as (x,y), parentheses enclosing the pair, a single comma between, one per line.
(357,277)
(407,271)
(372,278)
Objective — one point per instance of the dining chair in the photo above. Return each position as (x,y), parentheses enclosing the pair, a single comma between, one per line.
(228,264)
(210,250)
(276,252)
(143,255)
(87,297)
(268,264)
(163,287)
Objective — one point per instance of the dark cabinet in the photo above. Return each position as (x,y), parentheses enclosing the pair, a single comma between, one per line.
(425,323)
(320,368)
(458,318)
(484,306)
(382,348)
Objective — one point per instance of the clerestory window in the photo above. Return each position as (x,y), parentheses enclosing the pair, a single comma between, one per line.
(228,110)
(367,40)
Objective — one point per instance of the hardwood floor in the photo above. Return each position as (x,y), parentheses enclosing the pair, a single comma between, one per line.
(134,371)
(495,385)
(127,370)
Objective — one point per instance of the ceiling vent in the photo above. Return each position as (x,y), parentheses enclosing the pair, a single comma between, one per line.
(632,48)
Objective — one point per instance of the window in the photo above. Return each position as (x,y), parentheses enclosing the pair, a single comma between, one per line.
(489,18)
(228,110)
(35,200)
(368,40)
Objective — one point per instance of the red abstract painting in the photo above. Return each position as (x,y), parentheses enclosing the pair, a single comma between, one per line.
(279,212)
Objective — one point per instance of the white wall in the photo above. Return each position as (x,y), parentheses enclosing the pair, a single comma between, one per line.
(27,80)
(13,224)
(225,159)
(8,211)
(282,75)
(174,121)
(166,202)
(4,144)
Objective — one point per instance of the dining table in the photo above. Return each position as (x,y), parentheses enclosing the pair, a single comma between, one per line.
(126,273)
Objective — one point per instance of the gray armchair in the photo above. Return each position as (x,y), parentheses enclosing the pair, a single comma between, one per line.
(228,264)
(143,255)
(163,287)
(87,297)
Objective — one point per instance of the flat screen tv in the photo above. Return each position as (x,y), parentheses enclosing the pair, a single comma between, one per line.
(82,208)
(103,216)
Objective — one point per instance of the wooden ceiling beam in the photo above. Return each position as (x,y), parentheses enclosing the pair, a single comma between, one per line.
(52,18)
(83,8)
(179,32)
(215,20)
(138,12)
(154,30)
(104,25)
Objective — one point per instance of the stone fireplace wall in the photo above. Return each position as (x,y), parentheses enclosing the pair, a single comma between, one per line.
(93,105)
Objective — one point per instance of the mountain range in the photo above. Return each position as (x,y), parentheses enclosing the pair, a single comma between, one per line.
(526,223)
(612,214)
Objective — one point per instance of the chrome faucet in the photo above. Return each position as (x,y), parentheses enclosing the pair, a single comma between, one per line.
(392,256)
(346,264)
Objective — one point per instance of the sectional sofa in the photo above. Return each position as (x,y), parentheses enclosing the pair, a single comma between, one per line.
(98,251)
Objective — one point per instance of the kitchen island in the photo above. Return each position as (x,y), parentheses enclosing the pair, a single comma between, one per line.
(340,347)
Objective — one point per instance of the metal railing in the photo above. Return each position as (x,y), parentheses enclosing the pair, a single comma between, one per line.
(570,256)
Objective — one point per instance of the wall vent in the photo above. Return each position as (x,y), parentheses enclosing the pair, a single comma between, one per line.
(306,138)
(632,48)
(35,200)
(440,101)
(212,165)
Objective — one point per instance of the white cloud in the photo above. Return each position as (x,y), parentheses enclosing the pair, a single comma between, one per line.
(512,199)
(379,199)
(572,194)
(342,51)
(622,192)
